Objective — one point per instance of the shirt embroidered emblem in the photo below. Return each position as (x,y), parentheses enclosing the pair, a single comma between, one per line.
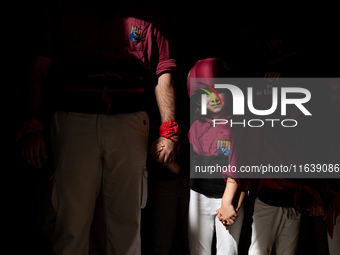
(223,147)
(136,34)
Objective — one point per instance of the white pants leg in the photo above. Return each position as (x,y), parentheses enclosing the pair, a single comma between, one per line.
(272,224)
(90,151)
(227,239)
(334,244)
(203,222)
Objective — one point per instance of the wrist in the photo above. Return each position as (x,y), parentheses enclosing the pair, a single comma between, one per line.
(31,125)
(170,130)
(227,201)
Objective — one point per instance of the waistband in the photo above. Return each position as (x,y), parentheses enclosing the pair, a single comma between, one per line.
(105,96)
(95,92)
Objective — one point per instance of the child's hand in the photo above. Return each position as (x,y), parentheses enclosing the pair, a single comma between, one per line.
(227,214)
(167,153)
(158,148)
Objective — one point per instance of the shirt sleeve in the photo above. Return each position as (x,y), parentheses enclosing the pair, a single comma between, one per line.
(45,35)
(163,53)
(193,137)
(237,153)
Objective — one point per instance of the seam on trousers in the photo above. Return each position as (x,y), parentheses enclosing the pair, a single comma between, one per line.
(144,187)
(104,212)
(54,130)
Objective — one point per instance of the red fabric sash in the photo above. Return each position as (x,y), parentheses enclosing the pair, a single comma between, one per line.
(170,129)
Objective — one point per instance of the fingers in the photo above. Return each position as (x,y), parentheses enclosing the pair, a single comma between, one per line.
(33,147)
(231,222)
(316,210)
(163,150)
(227,222)
(219,215)
(233,218)
(223,220)
(160,159)
(31,155)
(158,149)
(167,158)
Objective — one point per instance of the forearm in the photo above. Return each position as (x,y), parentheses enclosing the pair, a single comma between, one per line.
(244,190)
(230,191)
(165,96)
(36,85)
(241,199)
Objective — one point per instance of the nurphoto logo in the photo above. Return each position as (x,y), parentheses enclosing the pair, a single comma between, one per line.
(239,104)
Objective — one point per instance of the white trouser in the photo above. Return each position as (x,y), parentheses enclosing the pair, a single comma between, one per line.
(334,244)
(203,222)
(93,151)
(273,224)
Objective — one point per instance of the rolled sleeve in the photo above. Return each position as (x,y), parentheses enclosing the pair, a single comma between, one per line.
(168,65)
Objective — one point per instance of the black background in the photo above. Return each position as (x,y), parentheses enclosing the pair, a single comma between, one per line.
(198,30)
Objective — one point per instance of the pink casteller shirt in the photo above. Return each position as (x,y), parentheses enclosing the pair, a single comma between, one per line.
(204,138)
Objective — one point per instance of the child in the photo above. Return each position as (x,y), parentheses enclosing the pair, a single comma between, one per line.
(277,207)
(206,206)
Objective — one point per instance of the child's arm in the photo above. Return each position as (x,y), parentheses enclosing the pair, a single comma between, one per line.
(227,213)
(244,190)
(173,166)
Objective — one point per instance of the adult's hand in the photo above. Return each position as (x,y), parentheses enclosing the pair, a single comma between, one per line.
(33,148)
(168,152)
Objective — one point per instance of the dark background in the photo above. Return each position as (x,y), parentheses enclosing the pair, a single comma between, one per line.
(197,31)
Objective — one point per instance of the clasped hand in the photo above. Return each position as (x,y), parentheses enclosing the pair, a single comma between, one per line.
(33,148)
(168,152)
(227,214)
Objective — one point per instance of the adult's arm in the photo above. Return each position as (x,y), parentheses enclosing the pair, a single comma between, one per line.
(34,146)
(165,97)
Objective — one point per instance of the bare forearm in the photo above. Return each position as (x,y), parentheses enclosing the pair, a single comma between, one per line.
(230,191)
(165,96)
(244,190)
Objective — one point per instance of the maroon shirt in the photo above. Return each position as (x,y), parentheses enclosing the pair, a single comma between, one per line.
(81,30)
(100,50)
(207,139)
